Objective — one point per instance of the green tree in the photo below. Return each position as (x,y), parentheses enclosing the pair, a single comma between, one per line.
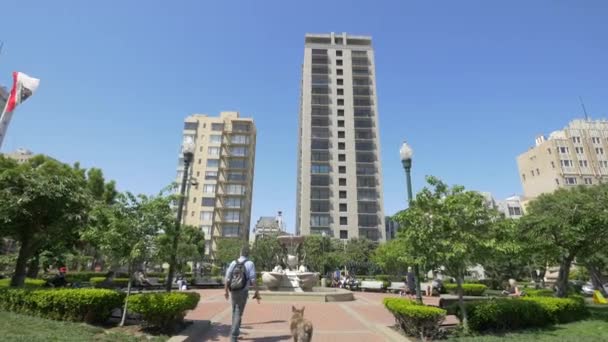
(41,201)
(391,257)
(266,252)
(190,247)
(447,226)
(126,230)
(567,224)
(228,249)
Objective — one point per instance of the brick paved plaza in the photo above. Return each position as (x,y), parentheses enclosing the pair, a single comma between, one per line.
(364,319)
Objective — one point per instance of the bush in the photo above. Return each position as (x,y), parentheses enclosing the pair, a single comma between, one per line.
(540,293)
(29,282)
(468,289)
(163,310)
(561,310)
(415,319)
(88,305)
(116,282)
(491,283)
(504,314)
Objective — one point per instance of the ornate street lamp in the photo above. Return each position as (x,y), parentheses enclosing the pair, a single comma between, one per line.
(188,152)
(406,154)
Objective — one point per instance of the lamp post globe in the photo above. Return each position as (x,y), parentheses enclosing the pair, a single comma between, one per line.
(188,147)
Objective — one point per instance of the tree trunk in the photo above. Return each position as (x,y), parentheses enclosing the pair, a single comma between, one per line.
(596,278)
(124,310)
(33,267)
(20,267)
(562,279)
(463,310)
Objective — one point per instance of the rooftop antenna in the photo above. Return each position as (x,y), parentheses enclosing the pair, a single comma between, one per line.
(584,109)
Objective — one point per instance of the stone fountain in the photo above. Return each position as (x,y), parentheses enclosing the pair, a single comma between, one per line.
(297,283)
(293,278)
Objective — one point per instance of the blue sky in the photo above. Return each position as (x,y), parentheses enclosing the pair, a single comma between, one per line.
(468,83)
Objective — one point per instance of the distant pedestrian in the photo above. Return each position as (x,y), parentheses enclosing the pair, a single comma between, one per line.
(240,275)
(411,282)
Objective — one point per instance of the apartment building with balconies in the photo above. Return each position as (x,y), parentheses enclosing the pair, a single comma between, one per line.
(339,187)
(219,191)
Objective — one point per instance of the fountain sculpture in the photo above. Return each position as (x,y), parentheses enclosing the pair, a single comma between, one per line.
(293,278)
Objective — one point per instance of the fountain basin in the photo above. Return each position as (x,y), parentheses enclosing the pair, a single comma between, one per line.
(272,280)
(316,294)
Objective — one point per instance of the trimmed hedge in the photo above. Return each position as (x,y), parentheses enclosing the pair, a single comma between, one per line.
(163,310)
(116,282)
(29,282)
(561,310)
(468,289)
(79,305)
(415,319)
(540,293)
(521,313)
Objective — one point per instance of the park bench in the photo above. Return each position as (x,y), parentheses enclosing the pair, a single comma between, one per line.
(397,286)
(371,285)
(207,282)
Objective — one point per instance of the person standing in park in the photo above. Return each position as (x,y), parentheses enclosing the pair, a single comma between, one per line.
(240,276)
(411,282)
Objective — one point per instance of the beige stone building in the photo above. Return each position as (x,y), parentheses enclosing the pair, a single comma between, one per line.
(21,155)
(576,155)
(339,189)
(221,176)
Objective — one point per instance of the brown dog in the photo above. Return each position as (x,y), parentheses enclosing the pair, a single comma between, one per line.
(301,328)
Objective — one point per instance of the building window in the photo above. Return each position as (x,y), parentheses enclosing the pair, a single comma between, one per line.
(341,157)
(523,176)
(192,214)
(239,151)
(342,181)
(595,140)
(341,146)
(342,206)
(588,181)
(230,231)
(209,189)
(319,193)
(340,112)
(532,173)
(239,139)
(198,173)
(583,163)
(213,151)
(232,216)
(319,220)
(208,202)
(344,234)
(341,134)
(194,200)
(343,220)
(236,176)
(342,169)
(552,165)
(339,53)
(342,194)
(339,72)
(567,163)
(579,150)
(213,162)
(319,168)
(218,127)
(340,102)
(215,139)
(537,172)
(570,180)
(603,163)
(235,189)
(514,211)
(340,91)
(340,81)
(339,62)
(576,140)
(200,149)
(210,175)
(599,150)
(206,215)
(340,123)
(549,150)
(237,163)
(563,150)
(556,181)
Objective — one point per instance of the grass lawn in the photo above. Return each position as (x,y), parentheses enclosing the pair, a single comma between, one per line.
(15,327)
(593,329)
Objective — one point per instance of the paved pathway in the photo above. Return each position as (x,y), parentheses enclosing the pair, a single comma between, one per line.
(364,319)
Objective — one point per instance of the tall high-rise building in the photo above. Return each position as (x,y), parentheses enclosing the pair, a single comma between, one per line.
(339,188)
(221,176)
(578,154)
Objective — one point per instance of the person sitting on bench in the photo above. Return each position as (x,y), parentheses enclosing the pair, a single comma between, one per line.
(513,290)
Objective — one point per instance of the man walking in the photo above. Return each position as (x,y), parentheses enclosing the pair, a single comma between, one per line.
(240,275)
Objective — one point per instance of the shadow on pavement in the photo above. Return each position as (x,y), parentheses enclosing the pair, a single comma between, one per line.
(267,322)
(268,339)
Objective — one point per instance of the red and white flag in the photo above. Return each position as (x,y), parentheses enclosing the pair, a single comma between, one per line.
(24,86)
